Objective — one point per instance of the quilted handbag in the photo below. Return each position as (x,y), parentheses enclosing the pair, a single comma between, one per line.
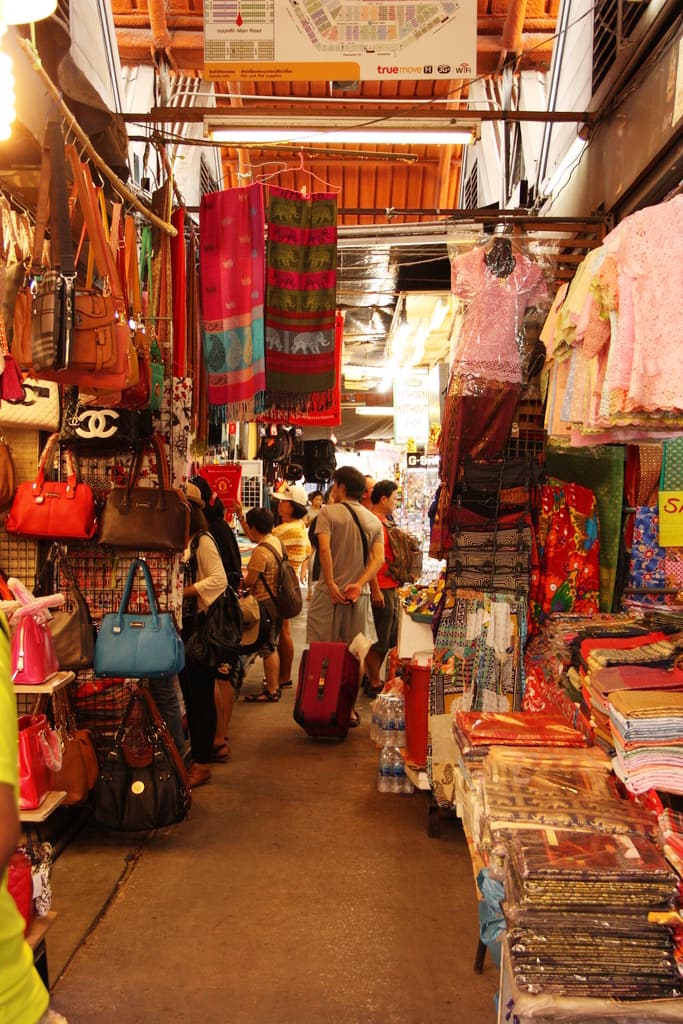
(37,410)
(20,884)
(151,792)
(62,509)
(136,646)
(153,519)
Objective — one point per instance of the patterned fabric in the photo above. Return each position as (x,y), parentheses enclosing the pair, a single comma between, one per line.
(650,460)
(568,576)
(647,557)
(672,465)
(231,225)
(301,296)
(331,417)
(477,661)
(601,470)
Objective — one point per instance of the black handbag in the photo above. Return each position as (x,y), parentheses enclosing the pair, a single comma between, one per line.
(96,429)
(218,634)
(143,783)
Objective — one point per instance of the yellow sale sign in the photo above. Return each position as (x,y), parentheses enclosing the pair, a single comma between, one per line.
(671,519)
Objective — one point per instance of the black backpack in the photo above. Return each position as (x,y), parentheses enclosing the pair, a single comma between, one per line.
(288,600)
(320,461)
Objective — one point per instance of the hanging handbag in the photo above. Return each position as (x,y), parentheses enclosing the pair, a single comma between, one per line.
(80,768)
(138,645)
(72,627)
(33,654)
(61,509)
(154,519)
(152,793)
(96,429)
(39,752)
(37,410)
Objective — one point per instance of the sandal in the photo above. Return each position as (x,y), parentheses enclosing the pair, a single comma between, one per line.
(355,720)
(221,753)
(264,697)
(287,682)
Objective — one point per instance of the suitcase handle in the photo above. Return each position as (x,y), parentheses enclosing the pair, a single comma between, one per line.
(322,678)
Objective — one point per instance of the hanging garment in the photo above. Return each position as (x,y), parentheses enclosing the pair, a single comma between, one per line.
(231,230)
(301,296)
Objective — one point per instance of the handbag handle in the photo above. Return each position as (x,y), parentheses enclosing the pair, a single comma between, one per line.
(86,198)
(138,563)
(162,473)
(71,470)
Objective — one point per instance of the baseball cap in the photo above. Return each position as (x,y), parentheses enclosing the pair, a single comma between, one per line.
(193,494)
(293,492)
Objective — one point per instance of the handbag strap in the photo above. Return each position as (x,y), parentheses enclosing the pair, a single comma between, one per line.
(71,469)
(63,258)
(87,201)
(363,538)
(280,559)
(139,563)
(42,210)
(155,442)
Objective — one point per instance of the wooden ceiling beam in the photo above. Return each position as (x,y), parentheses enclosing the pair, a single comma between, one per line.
(187,115)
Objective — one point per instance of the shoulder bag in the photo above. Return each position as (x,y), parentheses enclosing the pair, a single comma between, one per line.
(38,409)
(288,600)
(98,429)
(154,519)
(39,752)
(219,632)
(154,791)
(57,510)
(80,768)
(72,628)
(136,646)
(33,654)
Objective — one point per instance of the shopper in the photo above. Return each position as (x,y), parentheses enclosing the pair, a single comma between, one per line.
(207,582)
(262,565)
(23,996)
(292,532)
(366,497)
(228,679)
(340,606)
(383,590)
(315,503)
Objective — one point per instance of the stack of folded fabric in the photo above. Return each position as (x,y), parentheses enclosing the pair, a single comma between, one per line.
(576,908)
(475,731)
(599,686)
(524,788)
(647,732)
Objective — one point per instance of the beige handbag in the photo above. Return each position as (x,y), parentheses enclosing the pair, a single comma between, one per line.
(39,409)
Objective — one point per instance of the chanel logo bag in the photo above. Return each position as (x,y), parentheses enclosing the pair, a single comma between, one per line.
(92,428)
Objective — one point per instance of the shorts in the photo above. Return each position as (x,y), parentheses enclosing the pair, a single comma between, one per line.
(386,621)
(338,622)
(269,642)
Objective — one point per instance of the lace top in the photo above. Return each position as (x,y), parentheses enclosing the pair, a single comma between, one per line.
(495,308)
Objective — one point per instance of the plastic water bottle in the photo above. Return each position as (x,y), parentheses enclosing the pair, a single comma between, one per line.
(393,718)
(408,786)
(400,723)
(384,771)
(397,771)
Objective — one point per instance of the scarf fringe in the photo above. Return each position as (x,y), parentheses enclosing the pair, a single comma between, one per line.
(238,412)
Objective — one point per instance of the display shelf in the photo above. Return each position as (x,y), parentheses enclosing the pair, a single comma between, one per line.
(54,683)
(50,802)
(36,940)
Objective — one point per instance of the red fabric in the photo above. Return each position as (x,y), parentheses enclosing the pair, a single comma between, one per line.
(517,728)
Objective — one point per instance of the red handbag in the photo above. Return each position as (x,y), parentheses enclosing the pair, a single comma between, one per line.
(58,510)
(39,753)
(20,884)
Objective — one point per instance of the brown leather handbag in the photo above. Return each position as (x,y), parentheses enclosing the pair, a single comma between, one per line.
(146,518)
(80,767)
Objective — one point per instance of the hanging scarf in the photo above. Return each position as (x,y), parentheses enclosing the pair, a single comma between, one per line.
(301,281)
(231,229)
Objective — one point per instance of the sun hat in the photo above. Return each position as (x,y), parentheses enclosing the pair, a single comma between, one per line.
(193,494)
(294,493)
(251,619)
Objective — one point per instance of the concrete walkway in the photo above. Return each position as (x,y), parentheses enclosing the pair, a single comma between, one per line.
(294,893)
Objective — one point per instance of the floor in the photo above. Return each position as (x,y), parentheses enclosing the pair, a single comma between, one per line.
(294,893)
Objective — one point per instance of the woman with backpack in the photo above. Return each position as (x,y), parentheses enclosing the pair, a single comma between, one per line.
(262,580)
(292,532)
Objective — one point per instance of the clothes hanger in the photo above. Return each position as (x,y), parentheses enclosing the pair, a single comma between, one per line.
(299,169)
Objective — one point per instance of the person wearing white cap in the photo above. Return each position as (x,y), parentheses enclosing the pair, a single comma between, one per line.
(292,506)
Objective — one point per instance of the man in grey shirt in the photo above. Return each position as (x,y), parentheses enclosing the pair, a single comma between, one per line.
(340,607)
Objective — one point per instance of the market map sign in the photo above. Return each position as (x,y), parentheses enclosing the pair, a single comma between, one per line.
(307,40)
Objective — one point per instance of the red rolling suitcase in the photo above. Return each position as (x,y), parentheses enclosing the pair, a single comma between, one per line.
(327,690)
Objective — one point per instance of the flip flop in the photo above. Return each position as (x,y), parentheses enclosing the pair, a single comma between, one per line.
(264,697)
(355,720)
(221,753)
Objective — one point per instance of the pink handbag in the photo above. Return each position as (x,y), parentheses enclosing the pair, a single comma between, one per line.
(34,658)
(39,753)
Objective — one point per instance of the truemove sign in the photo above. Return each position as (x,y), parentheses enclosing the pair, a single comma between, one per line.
(286,40)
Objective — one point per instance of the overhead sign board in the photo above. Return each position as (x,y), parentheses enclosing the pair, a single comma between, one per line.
(291,40)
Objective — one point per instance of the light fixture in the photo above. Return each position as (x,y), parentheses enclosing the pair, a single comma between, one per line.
(375,410)
(22,12)
(240,128)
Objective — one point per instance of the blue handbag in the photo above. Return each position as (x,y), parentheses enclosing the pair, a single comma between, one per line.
(138,645)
